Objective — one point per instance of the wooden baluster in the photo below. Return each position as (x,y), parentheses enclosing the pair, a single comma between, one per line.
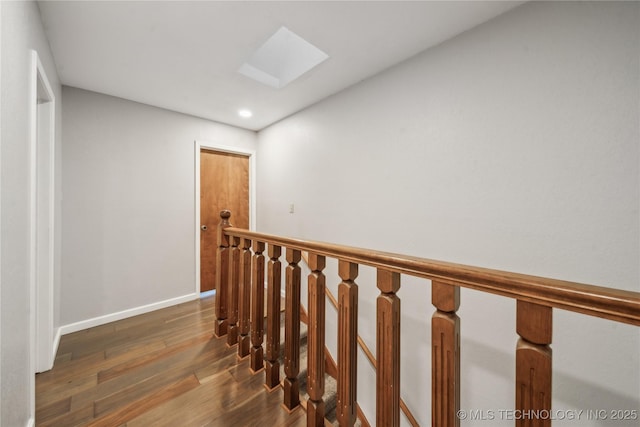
(234,284)
(244,299)
(272,364)
(315,347)
(222,276)
(347,343)
(257,307)
(445,361)
(292,331)
(388,350)
(533,364)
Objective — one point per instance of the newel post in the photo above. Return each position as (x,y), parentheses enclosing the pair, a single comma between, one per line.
(445,360)
(222,276)
(533,364)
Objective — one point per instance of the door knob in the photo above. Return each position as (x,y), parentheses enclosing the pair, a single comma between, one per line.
(203,227)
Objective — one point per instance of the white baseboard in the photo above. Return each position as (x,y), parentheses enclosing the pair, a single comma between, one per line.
(54,351)
(101,320)
(56,343)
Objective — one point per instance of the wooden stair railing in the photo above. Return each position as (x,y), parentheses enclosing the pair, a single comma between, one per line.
(363,346)
(535,298)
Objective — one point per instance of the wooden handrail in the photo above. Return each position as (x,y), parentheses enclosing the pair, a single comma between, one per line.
(604,302)
(535,299)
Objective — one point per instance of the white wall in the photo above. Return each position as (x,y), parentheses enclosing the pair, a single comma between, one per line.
(513,146)
(21,30)
(128,208)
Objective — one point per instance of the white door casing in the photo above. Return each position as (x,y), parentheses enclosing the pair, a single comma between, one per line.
(41,225)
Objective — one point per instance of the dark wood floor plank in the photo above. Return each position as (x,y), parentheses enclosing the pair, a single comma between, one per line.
(64,371)
(163,368)
(85,335)
(130,409)
(140,328)
(173,372)
(191,407)
(89,364)
(206,373)
(255,411)
(79,417)
(54,409)
(140,347)
(70,388)
(150,359)
(155,317)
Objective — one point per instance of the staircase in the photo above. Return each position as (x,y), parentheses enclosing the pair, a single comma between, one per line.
(330,396)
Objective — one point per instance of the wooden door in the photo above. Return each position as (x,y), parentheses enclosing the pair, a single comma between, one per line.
(224,184)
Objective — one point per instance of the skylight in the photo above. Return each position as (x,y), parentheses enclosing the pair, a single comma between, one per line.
(282,59)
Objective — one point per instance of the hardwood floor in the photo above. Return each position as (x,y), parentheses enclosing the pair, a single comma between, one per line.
(163,368)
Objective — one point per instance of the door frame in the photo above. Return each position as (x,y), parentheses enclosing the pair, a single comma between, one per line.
(215,146)
(41,254)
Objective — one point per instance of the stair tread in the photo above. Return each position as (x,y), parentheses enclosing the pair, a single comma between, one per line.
(330,394)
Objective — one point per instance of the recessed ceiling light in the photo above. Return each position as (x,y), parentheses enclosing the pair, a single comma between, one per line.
(282,59)
(245,113)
